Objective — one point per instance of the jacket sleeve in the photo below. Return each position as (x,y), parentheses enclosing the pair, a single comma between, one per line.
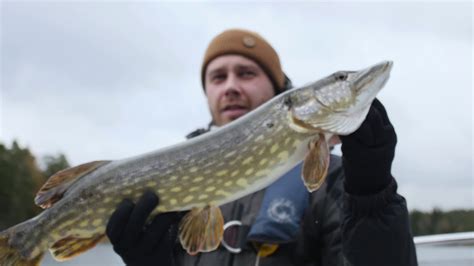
(376,229)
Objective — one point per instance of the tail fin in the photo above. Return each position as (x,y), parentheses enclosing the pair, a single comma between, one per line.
(14,251)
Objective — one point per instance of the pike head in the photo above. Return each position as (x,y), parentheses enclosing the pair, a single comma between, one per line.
(337,104)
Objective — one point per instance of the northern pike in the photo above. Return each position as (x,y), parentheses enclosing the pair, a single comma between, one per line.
(200,174)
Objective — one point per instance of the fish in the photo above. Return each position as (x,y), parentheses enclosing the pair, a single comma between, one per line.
(200,174)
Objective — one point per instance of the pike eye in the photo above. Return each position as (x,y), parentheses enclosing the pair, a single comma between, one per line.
(340,76)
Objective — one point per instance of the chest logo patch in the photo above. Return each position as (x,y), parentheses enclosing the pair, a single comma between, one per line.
(281,210)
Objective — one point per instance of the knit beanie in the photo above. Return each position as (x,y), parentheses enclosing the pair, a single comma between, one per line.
(250,45)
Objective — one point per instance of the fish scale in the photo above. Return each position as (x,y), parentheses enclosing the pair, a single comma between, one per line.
(200,174)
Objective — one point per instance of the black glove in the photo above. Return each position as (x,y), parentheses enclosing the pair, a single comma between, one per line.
(138,243)
(368,153)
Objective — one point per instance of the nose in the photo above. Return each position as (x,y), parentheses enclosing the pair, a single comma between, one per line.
(232,86)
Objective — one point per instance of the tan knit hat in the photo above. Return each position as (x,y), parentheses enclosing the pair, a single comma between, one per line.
(248,44)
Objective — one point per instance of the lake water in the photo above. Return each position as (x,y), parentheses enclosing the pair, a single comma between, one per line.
(103,255)
(445,255)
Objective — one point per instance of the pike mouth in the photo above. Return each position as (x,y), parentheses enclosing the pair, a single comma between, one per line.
(373,73)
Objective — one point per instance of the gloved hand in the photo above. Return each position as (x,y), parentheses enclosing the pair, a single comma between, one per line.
(138,243)
(368,153)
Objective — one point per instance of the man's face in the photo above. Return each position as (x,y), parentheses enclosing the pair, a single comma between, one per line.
(235,85)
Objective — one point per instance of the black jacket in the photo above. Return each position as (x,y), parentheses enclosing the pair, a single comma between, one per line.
(338,229)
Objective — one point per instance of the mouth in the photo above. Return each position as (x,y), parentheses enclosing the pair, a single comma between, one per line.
(233,111)
(367,76)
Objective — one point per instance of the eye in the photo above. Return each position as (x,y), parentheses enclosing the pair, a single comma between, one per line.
(340,76)
(218,77)
(247,73)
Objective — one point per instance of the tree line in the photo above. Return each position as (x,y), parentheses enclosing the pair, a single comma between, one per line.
(441,222)
(21,177)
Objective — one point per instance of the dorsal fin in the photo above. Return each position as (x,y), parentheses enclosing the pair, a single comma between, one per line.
(57,184)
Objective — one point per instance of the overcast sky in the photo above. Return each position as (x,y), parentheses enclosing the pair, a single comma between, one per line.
(108,80)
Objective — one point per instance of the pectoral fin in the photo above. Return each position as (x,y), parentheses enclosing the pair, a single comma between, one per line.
(316,163)
(57,184)
(201,230)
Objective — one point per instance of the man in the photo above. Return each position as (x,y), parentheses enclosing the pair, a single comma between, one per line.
(355,218)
